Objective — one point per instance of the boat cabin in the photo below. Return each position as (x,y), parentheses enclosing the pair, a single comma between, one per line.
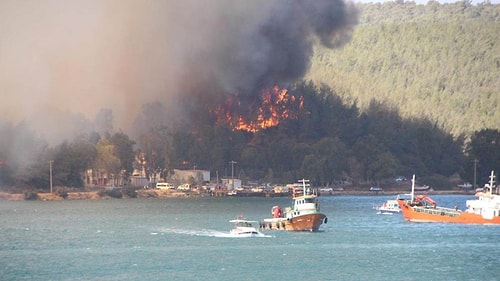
(303,205)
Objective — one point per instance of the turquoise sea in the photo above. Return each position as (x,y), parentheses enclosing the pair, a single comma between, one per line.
(186,239)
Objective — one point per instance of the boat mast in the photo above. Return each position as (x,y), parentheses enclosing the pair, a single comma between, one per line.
(412,187)
(303,181)
(492,181)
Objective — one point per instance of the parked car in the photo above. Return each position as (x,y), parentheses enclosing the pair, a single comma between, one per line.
(400,178)
(184,187)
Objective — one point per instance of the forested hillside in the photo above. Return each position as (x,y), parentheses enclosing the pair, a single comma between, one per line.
(436,61)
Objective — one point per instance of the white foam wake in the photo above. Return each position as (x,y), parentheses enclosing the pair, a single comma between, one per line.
(200,232)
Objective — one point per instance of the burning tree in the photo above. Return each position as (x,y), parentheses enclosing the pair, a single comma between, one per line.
(272,106)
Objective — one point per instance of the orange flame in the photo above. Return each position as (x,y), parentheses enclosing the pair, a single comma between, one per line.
(276,105)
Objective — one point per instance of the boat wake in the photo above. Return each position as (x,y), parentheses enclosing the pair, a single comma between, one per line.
(385,213)
(201,232)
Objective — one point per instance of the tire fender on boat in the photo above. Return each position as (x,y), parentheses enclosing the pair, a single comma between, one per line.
(326,220)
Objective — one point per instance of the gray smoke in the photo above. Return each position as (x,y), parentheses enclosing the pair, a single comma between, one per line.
(72,58)
(292,29)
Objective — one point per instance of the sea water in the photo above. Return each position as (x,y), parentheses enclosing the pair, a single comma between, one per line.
(187,239)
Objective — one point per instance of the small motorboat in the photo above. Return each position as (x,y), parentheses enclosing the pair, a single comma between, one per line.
(244,228)
(389,207)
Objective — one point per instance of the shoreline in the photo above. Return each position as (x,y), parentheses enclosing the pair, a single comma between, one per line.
(158,193)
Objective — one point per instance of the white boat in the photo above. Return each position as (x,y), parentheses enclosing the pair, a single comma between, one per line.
(422,188)
(244,228)
(389,207)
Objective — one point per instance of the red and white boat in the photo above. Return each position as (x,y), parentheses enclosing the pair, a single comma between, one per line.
(303,215)
(483,210)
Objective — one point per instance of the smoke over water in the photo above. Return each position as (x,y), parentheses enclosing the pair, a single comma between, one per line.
(72,58)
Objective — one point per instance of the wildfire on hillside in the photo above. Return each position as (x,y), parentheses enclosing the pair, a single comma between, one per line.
(273,106)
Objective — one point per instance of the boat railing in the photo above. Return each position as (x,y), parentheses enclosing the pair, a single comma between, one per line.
(299,191)
(437,211)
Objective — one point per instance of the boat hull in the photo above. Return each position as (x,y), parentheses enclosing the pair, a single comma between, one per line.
(309,222)
(443,215)
(388,211)
(248,235)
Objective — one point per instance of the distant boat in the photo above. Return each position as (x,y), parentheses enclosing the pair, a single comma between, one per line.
(244,228)
(304,215)
(422,188)
(466,186)
(484,210)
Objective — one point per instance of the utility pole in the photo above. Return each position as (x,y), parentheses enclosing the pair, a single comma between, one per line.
(50,174)
(232,171)
(475,167)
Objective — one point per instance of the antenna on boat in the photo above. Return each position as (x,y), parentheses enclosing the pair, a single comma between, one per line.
(303,181)
(412,187)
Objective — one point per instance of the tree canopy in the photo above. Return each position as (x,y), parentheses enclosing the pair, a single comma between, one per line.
(435,61)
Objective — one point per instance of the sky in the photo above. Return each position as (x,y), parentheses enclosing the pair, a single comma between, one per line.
(79,56)
(63,58)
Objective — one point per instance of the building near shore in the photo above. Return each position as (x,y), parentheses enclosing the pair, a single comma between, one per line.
(186,176)
(231,183)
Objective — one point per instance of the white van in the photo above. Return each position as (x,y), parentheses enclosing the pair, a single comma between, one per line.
(164,185)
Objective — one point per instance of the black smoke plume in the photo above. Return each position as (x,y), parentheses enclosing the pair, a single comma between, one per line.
(274,49)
